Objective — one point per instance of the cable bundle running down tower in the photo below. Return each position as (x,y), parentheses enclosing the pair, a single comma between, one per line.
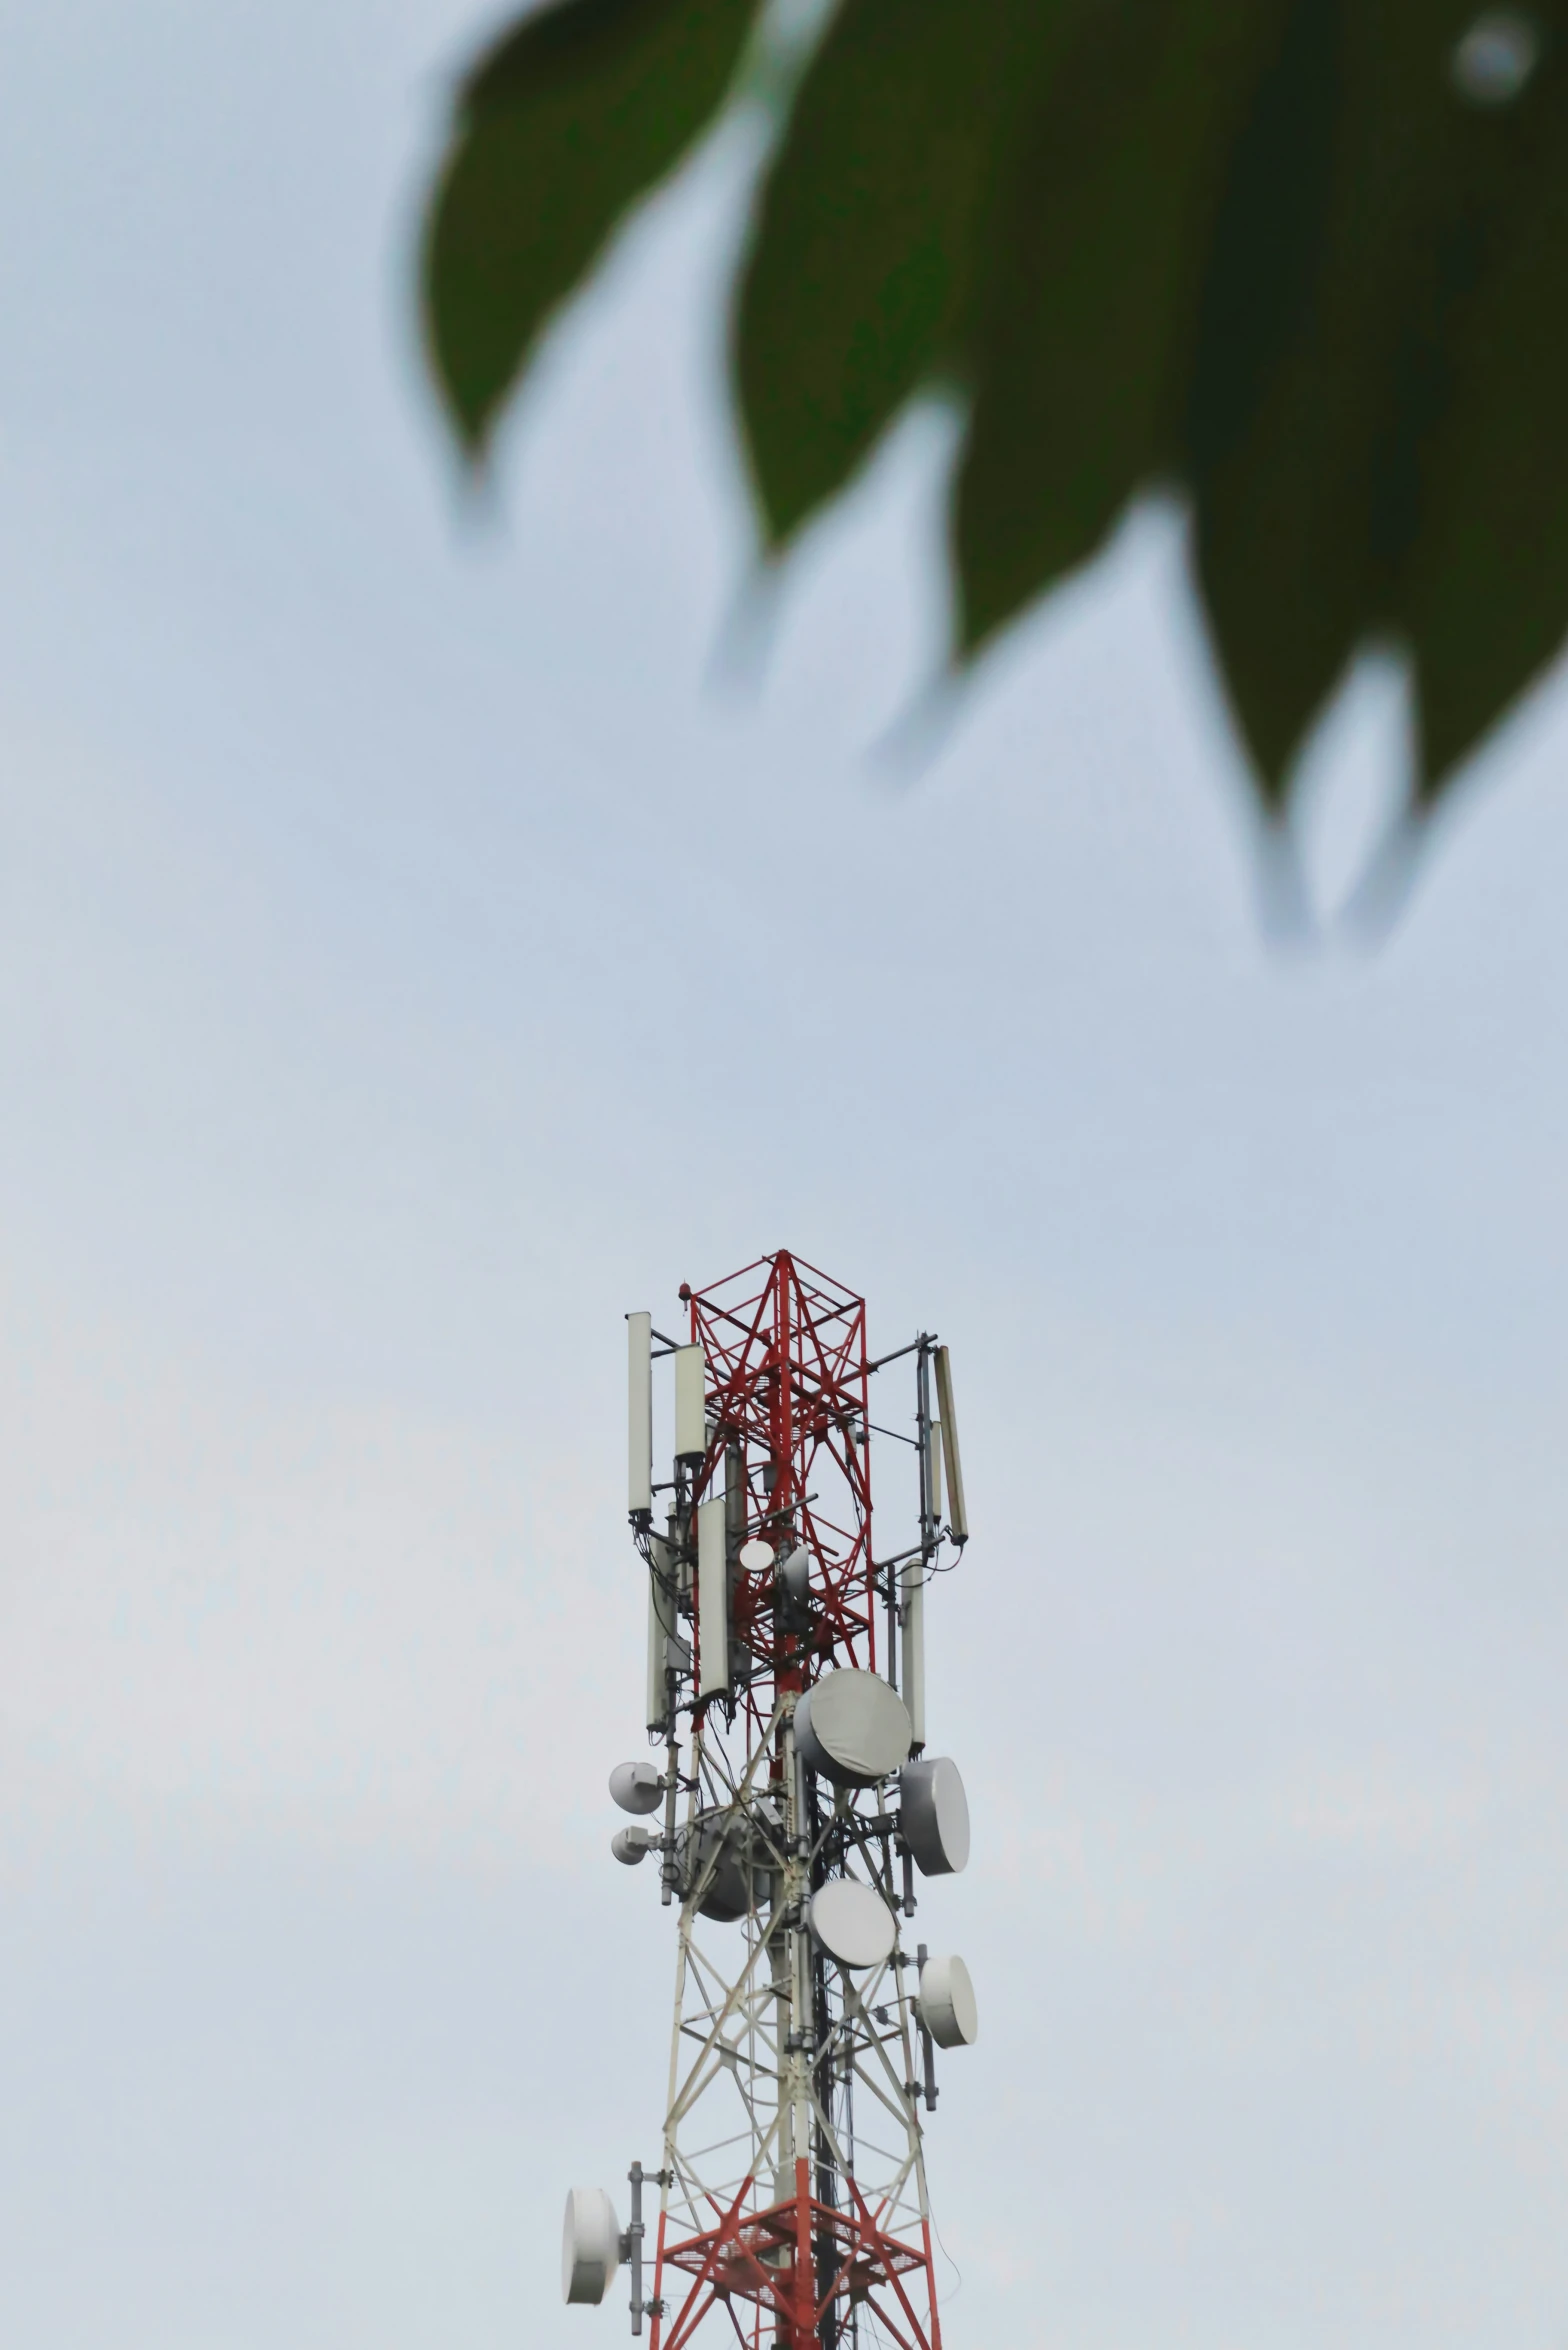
(796,1801)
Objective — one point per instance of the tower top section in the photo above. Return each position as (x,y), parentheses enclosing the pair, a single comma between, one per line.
(765,1551)
(786,1402)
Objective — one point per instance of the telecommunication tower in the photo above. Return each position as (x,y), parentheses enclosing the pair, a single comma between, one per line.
(793,1803)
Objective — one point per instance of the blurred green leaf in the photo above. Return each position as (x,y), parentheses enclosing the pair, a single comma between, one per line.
(1485,594)
(869,231)
(1333,494)
(1302,261)
(1082,354)
(1270,446)
(572,117)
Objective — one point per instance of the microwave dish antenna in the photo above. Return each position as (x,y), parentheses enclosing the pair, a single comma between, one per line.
(933,1813)
(852,1923)
(638,1787)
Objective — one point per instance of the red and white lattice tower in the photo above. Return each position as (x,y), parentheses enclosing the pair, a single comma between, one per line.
(791,1810)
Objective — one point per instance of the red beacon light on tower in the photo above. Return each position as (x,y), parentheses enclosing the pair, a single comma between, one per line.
(796,1802)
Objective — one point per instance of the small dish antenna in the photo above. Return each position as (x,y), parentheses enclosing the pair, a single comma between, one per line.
(853,1924)
(795,1574)
(727,1864)
(756,1556)
(934,1815)
(945,2003)
(590,2245)
(637,1787)
(853,1728)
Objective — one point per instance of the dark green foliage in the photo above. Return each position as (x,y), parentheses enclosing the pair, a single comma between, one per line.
(860,279)
(1087,336)
(1266,252)
(569,120)
(1336,500)
(1483,590)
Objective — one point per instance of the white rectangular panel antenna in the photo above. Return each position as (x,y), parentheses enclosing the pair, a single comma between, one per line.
(914,1615)
(676,1549)
(661,1627)
(639,1420)
(691,1424)
(713,1598)
(934,1470)
(957,1516)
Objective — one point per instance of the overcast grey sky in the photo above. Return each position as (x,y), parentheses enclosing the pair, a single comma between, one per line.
(408,963)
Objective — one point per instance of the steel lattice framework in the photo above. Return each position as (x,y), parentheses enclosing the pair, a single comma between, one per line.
(788,1377)
(793,2209)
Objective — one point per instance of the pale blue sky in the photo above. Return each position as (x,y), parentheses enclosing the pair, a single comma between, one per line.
(409,962)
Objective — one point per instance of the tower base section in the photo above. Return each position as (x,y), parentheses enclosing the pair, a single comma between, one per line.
(800,2265)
